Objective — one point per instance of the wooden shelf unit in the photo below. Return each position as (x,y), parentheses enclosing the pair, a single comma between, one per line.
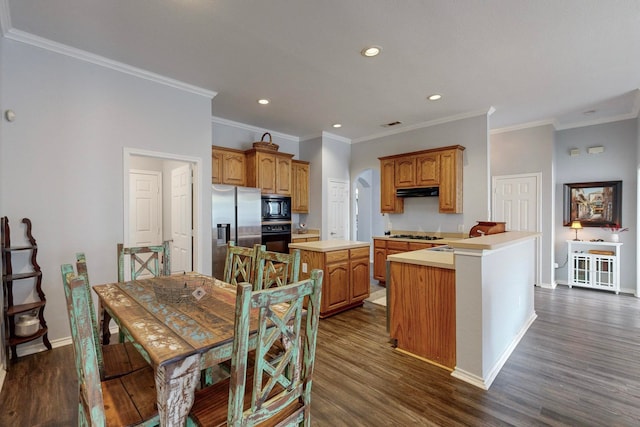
(594,265)
(9,280)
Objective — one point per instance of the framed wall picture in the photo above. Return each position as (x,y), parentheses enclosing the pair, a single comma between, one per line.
(594,204)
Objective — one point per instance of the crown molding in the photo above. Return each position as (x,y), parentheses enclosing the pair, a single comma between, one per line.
(603,120)
(523,126)
(335,137)
(425,124)
(251,128)
(33,40)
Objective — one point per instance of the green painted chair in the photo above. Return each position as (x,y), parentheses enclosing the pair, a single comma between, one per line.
(279,269)
(241,263)
(113,360)
(268,392)
(145,260)
(126,400)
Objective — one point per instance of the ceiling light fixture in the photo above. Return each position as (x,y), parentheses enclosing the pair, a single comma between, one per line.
(337,125)
(263,101)
(434,97)
(371,51)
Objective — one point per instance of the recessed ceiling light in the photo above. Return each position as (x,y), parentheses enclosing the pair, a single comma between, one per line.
(263,101)
(337,125)
(371,51)
(434,97)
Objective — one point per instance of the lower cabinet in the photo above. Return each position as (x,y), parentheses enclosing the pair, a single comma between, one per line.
(383,248)
(346,277)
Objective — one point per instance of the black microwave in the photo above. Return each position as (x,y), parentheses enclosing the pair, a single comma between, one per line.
(276,208)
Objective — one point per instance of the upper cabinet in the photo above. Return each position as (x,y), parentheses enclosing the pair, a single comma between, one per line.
(300,186)
(439,167)
(269,171)
(228,166)
(389,203)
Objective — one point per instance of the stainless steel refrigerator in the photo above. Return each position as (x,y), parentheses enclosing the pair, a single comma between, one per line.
(236,216)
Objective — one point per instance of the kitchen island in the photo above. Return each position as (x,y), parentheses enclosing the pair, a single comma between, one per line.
(346,272)
(464,310)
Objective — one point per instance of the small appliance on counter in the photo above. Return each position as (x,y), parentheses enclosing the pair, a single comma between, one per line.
(482,228)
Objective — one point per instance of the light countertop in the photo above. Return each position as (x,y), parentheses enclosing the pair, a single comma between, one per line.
(304,235)
(494,241)
(329,245)
(425,257)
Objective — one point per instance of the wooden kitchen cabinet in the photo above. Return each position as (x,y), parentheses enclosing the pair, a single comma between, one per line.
(228,166)
(346,280)
(450,198)
(383,248)
(300,186)
(417,170)
(269,171)
(389,203)
(438,167)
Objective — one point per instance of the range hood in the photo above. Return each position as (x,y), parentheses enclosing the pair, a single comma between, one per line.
(417,192)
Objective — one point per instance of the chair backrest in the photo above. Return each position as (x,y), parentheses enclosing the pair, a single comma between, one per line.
(67,275)
(240,263)
(281,387)
(154,260)
(91,408)
(279,269)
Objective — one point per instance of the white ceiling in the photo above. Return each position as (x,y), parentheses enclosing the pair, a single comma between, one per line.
(532,61)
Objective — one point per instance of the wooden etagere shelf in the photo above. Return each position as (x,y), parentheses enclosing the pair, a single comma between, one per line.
(9,280)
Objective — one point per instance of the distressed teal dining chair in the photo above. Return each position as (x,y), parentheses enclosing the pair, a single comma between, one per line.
(123,401)
(152,260)
(113,360)
(241,263)
(278,269)
(260,390)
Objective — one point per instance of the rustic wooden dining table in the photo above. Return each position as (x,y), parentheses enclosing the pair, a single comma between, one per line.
(181,324)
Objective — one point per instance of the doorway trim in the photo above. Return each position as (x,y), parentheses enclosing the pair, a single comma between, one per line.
(197,211)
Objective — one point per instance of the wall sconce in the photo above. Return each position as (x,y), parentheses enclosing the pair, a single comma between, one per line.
(574,152)
(595,150)
(576,225)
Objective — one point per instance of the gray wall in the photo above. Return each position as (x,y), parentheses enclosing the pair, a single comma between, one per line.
(62,160)
(422,213)
(618,162)
(531,150)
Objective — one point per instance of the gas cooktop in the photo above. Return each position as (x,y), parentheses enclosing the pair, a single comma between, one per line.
(413,236)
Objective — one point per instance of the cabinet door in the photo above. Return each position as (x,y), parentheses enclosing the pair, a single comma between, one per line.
(216,167)
(427,169)
(389,203)
(283,175)
(266,173)
(359,279)
(415,246)
(335,288)
(380,264)
(450,198)
(300,190)
(233,168)
(405,174)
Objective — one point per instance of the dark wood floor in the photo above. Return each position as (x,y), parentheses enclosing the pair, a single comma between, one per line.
(578,365)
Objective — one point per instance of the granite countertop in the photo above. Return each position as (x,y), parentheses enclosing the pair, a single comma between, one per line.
(329,245)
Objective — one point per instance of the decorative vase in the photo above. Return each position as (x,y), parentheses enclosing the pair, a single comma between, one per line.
(615,237)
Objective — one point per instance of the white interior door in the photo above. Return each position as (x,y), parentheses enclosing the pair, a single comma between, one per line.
(338,209)
(145,208)
(181,223)
(516,201)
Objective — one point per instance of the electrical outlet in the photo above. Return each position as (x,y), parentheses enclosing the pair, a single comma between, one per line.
(304,267)
(555,265)
(461,228)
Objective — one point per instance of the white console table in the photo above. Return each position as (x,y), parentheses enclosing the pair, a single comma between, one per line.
(594,265)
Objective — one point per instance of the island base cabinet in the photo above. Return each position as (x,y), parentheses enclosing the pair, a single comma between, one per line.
(346,277)
(422,312)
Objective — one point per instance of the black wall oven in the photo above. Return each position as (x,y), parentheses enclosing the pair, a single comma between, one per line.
(276,237)
(276,223)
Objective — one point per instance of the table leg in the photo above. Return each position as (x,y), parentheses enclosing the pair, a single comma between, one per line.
(176,385)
